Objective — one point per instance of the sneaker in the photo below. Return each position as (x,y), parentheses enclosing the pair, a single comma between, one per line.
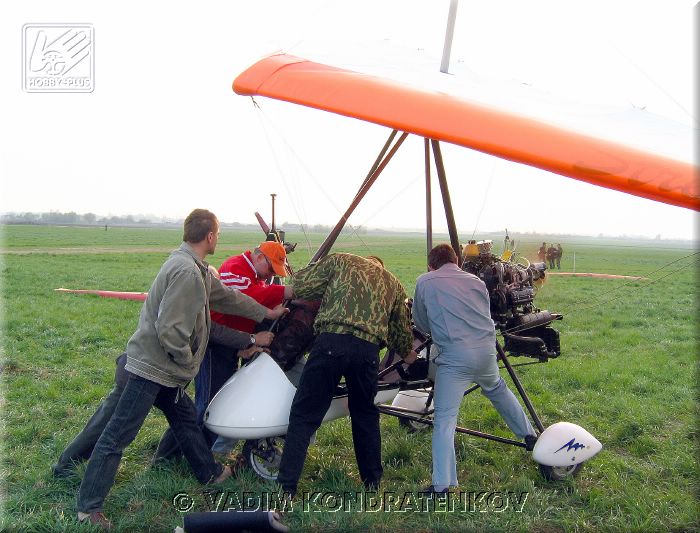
(96,519)
(530,441)
(225,474)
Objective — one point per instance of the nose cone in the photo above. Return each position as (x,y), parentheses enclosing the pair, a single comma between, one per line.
(254,403)
(565,444)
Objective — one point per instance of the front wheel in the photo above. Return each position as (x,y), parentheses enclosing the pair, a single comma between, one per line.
(413,426)
(559,473)
(263,456)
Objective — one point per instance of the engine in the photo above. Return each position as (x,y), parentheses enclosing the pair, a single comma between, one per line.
(512,287)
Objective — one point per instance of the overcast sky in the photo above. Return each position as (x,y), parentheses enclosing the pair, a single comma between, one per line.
(162,132)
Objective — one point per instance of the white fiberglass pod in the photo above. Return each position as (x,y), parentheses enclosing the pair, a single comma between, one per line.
(255,402)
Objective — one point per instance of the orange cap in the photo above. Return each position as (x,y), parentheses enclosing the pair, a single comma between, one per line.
(275,253)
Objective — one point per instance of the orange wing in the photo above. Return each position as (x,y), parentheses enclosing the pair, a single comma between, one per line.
(447,118)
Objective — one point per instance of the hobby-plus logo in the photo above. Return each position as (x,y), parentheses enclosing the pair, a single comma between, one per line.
(58,58)
(571,445)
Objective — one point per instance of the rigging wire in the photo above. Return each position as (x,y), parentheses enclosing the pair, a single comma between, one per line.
(260,116)
(537,242)
(599,302)
(627,283)
(486,195)
(652,282)
(654,83)
(299,161)
(391,200)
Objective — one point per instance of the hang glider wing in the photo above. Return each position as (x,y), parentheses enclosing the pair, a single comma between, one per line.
(455,120)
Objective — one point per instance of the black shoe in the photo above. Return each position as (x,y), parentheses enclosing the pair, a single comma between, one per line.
(530,441)
(287,492)
(430,489)
(59,471)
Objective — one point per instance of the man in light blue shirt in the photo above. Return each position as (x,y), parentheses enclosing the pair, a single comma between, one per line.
(453,306)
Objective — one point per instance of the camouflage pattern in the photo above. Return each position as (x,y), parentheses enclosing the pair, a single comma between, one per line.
(359,297)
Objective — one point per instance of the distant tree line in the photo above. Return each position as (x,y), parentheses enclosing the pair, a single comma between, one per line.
(89,219)
(55,217)
(320,228)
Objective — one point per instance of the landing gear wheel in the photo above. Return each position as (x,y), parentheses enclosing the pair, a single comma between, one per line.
(413,426)
(263,456)
(559,473)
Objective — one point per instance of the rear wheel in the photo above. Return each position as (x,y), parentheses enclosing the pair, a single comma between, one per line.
(263,456)
(559,473)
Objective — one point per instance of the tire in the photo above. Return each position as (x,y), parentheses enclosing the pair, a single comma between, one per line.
(412,426)
(559,473)
(263,457)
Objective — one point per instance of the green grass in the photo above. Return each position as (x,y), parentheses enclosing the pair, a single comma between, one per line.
(627,374)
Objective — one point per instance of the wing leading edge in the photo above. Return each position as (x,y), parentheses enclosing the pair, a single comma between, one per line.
(455,120)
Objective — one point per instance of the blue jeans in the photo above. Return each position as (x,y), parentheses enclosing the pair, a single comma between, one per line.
(219,364)
(136,400)
(456,370)
(82,445)
(333,356)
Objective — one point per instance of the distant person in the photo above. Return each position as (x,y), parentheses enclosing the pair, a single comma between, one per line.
(362,310)
(560,252)
(246,273)
(542,252)
(163,356)
(551,256)
(453,307)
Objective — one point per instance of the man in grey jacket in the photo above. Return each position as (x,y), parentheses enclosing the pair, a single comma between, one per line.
(163,356)
(80,448)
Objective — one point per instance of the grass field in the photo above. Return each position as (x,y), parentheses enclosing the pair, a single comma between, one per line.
(627,374)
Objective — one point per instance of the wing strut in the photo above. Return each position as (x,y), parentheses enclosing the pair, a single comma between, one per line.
(380,163)
(442,178)
(428,200)
(369,181)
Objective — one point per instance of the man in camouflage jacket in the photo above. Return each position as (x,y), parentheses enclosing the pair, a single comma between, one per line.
(362,310)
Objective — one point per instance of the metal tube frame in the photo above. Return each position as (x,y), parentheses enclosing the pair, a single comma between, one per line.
(372,176)
(428,200)
(446,201)
(420,417)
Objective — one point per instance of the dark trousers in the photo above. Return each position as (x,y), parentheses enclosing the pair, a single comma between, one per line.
(333,356)
(136,400)
(219,364)
(82,445)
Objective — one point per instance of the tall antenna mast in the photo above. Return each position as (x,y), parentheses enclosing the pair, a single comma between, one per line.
(273,212)
(449,32)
